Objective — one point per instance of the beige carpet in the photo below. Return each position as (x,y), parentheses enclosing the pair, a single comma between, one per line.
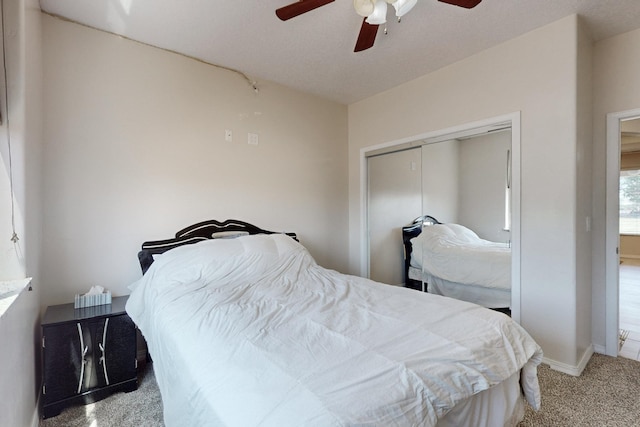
(606,394)
(140,408)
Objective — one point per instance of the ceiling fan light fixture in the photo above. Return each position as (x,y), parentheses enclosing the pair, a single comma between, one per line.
(379,15)
(402,7)
(374,13)
(364,7)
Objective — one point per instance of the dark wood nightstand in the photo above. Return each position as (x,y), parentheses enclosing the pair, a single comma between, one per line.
(87,354)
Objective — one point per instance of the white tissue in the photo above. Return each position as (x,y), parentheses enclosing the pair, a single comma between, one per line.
(95,290)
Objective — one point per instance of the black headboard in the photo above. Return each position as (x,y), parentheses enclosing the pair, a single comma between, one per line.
(408,233)
(204,230)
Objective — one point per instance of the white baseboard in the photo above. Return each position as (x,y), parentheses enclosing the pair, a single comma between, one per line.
(569,369)
(35,421)
(37,416)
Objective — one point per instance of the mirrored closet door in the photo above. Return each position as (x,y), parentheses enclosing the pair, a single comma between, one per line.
(461,185)
(395,188)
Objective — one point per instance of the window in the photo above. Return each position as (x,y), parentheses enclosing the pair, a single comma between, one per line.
(630,202)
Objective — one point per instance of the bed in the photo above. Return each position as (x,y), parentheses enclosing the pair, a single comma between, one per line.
(453,261)
(249,331)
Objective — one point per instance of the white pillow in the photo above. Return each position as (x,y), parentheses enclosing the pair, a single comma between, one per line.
(463,233)
(439,234)
(228,234)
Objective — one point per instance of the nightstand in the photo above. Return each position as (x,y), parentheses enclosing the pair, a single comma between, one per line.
(87,354)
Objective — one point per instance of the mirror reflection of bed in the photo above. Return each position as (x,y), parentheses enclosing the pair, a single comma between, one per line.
(452,260)
(462,180)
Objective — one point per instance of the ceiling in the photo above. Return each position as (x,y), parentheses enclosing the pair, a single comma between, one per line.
(314,52)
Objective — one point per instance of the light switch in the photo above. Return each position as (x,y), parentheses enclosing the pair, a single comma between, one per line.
(253,139)
(228,135)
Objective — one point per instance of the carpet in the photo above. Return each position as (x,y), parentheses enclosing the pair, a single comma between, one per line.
(606,394)
(139,408)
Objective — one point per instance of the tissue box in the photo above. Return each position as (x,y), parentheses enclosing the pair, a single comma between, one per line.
(82,301)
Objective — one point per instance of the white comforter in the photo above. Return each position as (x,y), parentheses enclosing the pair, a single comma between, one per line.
(453,252)
(251,331)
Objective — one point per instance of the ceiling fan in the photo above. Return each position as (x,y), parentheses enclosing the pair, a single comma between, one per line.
(373,11)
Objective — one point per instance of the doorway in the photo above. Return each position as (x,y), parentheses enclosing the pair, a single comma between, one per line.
(629,226)
(618,299)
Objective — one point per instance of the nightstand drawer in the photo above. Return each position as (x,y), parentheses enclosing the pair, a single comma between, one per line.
(87,354)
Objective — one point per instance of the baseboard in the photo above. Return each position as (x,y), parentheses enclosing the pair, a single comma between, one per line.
(570,369)
(629,256)
(35,421)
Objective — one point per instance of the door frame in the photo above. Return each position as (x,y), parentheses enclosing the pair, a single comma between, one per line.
(464,130)
(612,221)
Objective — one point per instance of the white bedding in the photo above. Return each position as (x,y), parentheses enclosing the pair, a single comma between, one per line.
(251,331)
(455,253)
(486,297)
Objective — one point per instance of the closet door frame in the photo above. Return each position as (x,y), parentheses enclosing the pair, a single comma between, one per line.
(464,130)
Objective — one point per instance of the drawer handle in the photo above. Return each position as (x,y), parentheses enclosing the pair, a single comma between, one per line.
(82,355)
(102,345)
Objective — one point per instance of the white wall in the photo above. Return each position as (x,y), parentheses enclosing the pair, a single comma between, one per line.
(135,150)
(19,325)
(584,170)
(11,261)
(440,181)
(616,88)
(535,74)
(483,179)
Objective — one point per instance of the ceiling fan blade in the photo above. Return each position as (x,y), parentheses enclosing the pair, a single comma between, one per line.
(300,7)
(468,4)
(367,36)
